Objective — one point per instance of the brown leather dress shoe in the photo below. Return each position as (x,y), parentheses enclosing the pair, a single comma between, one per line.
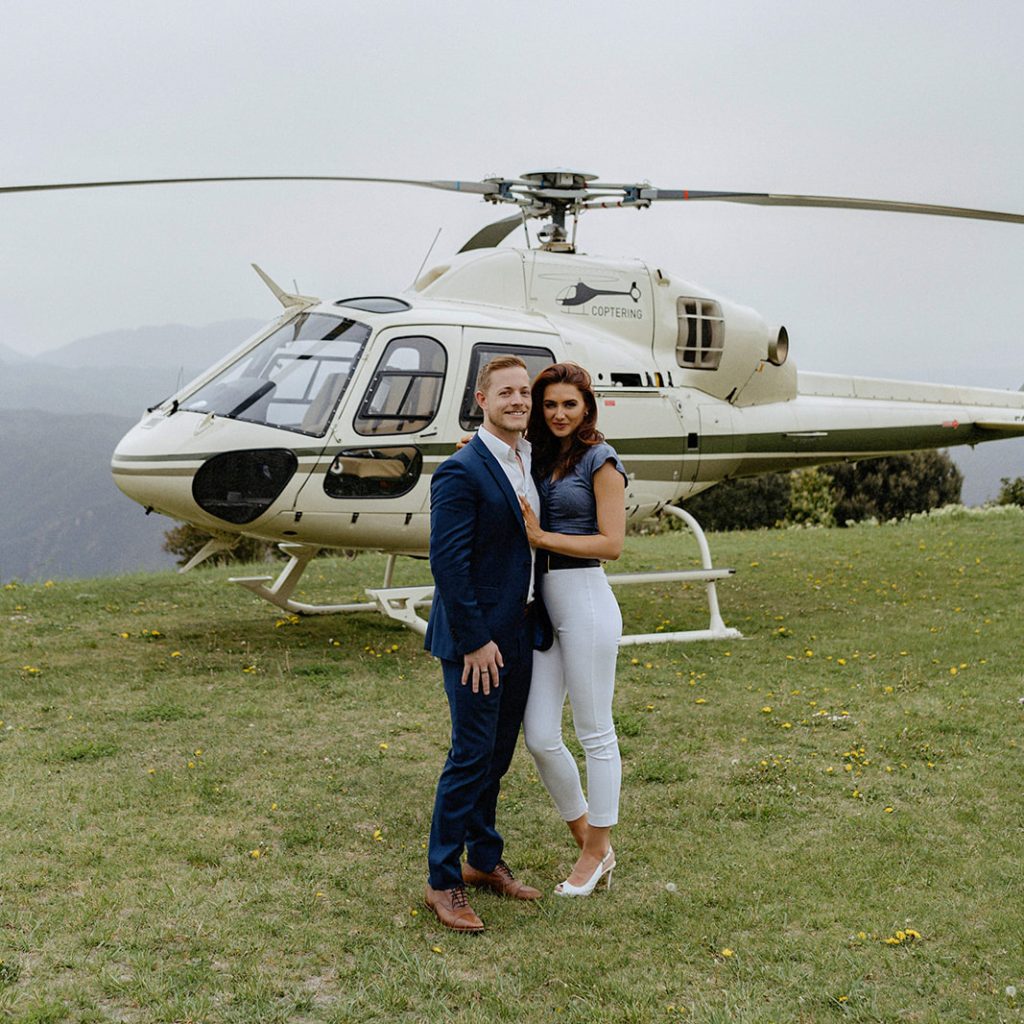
(500,880)
(453,909)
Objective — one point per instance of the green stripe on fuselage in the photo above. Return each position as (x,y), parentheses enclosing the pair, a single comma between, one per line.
(830,442)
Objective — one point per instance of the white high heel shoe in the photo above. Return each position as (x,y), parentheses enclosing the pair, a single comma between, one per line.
(605,867)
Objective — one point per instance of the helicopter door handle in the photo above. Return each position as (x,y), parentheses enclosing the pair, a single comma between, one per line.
(429,433)
(808,433)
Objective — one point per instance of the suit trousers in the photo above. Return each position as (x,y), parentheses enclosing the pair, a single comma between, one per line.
(485,729)
(581,664)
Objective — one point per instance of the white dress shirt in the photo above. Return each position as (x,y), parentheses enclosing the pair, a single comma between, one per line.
(518,471)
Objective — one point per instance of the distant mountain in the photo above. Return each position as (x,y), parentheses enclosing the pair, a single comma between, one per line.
(117,391)
(10,357)
(119,373)
(191,349)
(61,515)
(61,415)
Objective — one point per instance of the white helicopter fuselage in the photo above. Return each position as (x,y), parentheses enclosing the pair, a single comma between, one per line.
(324,428)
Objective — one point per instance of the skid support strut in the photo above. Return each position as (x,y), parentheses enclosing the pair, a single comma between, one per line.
(399,603)
(707,574)
(279,592)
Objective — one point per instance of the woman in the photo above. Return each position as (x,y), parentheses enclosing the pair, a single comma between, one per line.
(582,489)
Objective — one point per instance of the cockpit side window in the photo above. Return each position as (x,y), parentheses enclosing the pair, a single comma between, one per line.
(701,338)
(293,379)
(404,395)
(471,415)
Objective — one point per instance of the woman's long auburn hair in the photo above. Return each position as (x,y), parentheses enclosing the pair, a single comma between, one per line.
(548,457)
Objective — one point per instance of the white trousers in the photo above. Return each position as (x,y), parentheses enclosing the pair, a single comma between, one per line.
(581,664)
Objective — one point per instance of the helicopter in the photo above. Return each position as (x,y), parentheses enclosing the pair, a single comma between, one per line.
(322,430)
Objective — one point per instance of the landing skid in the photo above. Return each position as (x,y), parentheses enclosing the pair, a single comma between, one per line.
(403,604)
(707,574)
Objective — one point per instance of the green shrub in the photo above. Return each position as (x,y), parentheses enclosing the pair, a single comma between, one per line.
(1011,492)
(749,503)
(894,487)
(811,502)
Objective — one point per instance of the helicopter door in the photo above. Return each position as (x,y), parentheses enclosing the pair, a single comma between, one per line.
(370,487)
(718,458)
(643,426)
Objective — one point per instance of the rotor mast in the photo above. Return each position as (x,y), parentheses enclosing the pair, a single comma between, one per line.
(550,194)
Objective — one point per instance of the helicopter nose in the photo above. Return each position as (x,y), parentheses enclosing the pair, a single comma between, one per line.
(154,466)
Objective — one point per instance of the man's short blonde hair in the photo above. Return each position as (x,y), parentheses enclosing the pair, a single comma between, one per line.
(483,378)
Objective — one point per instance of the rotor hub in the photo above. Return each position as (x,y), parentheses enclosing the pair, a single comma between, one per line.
(559,177)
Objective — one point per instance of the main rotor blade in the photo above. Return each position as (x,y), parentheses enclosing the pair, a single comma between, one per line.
(830,202)
(488,237)
(483,188)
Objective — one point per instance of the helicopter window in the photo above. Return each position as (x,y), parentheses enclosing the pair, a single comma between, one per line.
(701,338)
(293,379)
(373,472)
(376,304)
(405,391)
(239,487)
(470,415)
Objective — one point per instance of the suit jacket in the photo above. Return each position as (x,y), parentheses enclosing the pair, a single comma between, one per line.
(479,555)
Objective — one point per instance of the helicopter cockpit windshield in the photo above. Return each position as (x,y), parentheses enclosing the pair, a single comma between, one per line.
(293,379)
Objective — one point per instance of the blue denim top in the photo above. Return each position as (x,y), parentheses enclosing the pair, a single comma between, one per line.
(569,504)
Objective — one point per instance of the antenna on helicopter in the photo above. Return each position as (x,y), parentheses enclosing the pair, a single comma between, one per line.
(430,249)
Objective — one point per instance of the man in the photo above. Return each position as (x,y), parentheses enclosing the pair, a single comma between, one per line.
(482,628)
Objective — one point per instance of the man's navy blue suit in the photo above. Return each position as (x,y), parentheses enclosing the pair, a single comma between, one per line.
(481,561)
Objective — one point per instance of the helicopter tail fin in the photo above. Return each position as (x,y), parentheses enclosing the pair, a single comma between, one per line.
(287,299)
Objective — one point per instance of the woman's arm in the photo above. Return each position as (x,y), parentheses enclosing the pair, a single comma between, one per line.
(606,544)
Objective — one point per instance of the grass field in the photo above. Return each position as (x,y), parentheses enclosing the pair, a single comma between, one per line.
(208,813)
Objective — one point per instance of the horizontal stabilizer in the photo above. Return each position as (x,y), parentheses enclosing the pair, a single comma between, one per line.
(1004,428)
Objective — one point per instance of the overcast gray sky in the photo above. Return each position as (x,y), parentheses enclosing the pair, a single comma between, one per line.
(910,100)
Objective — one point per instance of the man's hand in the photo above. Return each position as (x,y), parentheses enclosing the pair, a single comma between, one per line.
(481,667)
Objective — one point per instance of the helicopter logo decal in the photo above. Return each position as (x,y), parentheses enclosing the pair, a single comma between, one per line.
(578,294)
(578,298)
